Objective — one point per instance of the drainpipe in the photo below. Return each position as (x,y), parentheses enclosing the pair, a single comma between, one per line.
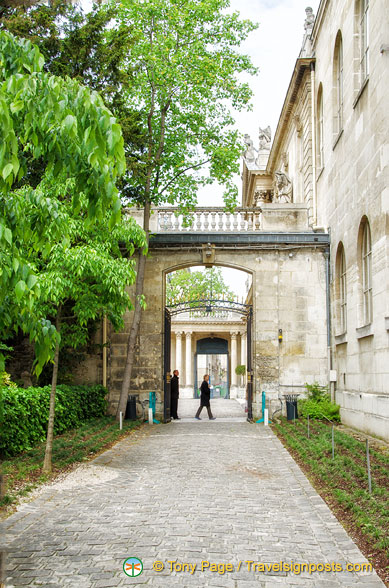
(313,124)
(328,312)
(105,351)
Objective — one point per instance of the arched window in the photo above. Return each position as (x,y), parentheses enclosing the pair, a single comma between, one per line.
(365,265)
(320,129)
(341,290)
(338,85)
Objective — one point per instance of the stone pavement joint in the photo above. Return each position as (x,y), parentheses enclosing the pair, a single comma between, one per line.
(222,492)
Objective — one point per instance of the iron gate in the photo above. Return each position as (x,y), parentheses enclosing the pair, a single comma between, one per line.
(166,368)
(249,366)
(208,305)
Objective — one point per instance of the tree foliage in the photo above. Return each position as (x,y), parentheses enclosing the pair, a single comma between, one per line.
(83,46)
(87,274)
(206,284)
(186,74)
(79,146)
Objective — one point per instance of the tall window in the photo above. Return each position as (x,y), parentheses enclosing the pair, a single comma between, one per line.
(364,39)
(320,129)
(338,85)
(342,291)
(366,262)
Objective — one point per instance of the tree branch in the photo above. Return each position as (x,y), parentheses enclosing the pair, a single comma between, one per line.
(182,172)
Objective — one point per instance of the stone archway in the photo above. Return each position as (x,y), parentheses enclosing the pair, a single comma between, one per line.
(227,322)
(288,293)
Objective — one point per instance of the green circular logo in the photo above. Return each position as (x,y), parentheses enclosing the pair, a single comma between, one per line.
(132,567)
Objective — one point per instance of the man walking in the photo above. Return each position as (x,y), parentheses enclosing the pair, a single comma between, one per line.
(174,395)
(204,399)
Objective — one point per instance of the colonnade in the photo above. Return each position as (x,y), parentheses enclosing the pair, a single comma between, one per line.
(182,359)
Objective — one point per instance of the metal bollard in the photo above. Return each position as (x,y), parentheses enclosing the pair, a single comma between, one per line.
(368,465)
(333,443)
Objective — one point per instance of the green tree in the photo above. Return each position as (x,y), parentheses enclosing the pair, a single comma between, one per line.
(80,149)
(204,284)
(186,76)
(82,279)
(83,46)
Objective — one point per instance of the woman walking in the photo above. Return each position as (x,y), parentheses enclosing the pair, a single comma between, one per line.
(204,399)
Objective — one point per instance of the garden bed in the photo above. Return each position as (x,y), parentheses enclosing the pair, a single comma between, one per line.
(343,482)
(24,471)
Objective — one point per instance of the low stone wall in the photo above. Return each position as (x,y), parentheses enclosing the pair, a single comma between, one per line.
(366,412)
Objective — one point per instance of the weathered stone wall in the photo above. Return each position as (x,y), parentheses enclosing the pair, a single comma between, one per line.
(288,294)
(352,184)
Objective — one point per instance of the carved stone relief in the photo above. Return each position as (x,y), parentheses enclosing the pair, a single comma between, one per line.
(283,188)
(263,197)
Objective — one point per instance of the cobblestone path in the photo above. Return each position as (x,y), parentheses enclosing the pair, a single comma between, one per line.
(220,492)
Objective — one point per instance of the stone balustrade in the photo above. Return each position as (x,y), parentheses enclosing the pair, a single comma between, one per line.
(209,220)
(270,217)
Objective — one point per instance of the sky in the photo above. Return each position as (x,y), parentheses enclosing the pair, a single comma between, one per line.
(273,47)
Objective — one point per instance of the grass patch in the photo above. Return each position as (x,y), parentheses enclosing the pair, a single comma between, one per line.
(24,471)
(343,482)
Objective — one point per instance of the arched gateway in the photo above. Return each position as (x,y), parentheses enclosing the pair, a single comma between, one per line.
(288,263)
(208,345)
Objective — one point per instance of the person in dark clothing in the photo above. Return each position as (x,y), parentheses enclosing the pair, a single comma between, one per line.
(204,399)
(174,395)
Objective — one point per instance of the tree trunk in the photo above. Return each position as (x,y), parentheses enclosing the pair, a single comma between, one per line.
(47,466)
(140,276)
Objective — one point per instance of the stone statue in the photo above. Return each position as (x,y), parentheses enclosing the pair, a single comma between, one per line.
(309,20)
(283,187)
(249,154)
(264,139)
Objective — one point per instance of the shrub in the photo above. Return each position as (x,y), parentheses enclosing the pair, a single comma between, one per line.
(316,392)
(318,404)
(240,370)
(24,413)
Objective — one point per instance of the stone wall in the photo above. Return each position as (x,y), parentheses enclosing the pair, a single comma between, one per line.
(288,294)
(354,184)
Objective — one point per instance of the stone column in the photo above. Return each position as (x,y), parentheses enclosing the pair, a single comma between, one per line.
(234,359)
(188,362)
(178,365)
(173,353)
(243,354)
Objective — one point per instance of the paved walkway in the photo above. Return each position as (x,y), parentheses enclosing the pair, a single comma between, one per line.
(221,408)
(192,492)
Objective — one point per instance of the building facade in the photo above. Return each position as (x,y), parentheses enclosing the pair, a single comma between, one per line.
(330,153)
(312,232)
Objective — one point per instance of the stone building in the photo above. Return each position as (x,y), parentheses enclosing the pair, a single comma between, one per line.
(312,232)
(351,83)
(330,153)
